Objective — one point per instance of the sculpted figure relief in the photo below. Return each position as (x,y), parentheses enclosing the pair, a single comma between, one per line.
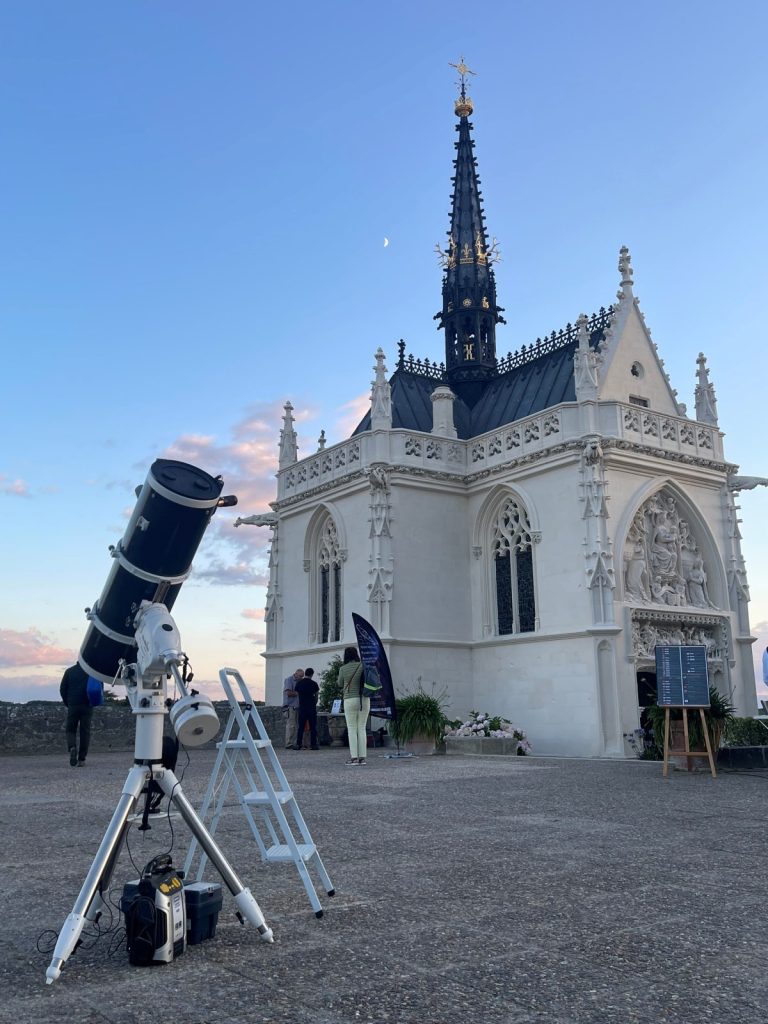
(636,577)
(697,586)
(664,545)
(663,564)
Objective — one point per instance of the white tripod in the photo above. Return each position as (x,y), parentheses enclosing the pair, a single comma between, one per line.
(195,722)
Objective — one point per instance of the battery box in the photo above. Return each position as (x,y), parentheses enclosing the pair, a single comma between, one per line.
(203,903)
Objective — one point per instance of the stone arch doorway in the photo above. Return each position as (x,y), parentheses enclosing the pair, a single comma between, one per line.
(646,687)
(646,696)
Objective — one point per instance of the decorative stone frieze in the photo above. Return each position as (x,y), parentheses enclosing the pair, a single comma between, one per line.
(650,628)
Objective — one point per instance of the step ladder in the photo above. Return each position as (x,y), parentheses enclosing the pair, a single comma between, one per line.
(247,761)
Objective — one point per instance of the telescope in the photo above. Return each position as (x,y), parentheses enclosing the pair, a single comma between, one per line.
(132,637)
(152,560)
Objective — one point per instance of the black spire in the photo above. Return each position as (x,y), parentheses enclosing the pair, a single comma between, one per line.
(469,314)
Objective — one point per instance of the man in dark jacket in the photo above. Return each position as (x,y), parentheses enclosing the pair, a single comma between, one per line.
(307,689)
(74,693)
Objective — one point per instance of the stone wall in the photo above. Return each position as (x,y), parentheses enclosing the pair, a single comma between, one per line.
(38,727)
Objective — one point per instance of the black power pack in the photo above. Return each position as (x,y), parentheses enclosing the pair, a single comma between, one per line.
(155,914)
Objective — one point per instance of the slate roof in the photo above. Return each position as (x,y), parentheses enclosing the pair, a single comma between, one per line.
(528,382)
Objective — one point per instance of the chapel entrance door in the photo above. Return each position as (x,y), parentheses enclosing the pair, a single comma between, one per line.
(646,695)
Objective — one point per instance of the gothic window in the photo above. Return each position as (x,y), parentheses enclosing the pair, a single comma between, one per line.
(468,333)
(512,552)
(484,345)
(452,347)
(329,581)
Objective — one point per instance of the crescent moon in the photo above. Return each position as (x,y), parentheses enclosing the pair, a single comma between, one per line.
(386,242)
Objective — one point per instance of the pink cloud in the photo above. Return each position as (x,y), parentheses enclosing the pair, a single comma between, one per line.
(19,488)
(255,638)
(253,613)
(31,648)
(350,415)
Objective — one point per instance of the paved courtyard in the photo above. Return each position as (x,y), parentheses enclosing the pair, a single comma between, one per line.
(482,889)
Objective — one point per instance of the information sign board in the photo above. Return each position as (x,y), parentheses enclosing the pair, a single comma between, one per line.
(681,676)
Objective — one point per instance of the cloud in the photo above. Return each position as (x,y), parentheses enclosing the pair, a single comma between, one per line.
(31,648)
(228,575)
(17,488)
(259,639)
(350,414)
(760,630)
(253,613)
(20,689)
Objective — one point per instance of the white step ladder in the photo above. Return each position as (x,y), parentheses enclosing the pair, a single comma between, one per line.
(247,761)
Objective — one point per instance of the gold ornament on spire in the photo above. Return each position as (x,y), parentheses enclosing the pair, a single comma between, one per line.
(463,105)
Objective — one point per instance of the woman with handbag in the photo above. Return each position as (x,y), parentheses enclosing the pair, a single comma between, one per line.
(356,705)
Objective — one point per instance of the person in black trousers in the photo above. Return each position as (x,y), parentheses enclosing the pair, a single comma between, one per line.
(307,690)
(74,693)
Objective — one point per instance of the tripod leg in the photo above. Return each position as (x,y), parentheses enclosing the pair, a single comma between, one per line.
(246,904)
(69,936)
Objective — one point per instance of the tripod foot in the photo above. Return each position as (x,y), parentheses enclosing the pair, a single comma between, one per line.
(249,908)
(69,936)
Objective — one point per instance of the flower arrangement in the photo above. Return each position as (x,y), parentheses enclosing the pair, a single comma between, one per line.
(480,723)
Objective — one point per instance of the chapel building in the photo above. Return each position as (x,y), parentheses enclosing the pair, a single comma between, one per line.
(521,531)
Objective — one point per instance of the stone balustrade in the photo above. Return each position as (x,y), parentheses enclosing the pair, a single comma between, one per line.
(533,435)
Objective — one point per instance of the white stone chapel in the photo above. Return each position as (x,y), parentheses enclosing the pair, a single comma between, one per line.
(521,531)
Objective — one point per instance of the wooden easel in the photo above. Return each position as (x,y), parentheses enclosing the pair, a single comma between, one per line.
(688,753)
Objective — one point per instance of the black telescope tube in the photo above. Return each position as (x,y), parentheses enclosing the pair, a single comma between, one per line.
(152,560)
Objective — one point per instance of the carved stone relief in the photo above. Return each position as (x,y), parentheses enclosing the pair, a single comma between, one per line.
(662,561)
(652,628)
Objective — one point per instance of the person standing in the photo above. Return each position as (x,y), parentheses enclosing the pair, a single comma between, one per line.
(291,706)
(74,693)
(307,690)
(356,706)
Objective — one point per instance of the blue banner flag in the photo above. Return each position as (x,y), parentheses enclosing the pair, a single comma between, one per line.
(378,678)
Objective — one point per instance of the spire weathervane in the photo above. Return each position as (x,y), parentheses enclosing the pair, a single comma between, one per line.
(463,70)
(463,105)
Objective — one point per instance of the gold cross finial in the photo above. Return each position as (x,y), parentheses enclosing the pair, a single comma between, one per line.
(463,105)
(463,70)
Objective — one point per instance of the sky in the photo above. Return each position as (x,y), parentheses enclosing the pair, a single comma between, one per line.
(194,199)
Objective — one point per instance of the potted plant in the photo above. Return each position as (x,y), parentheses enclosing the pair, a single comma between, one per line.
(745,744)
(487,734)
(717,716)
(330,690)
(420,721)
(330,687)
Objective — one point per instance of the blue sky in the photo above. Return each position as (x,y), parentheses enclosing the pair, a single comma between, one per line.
(193,203)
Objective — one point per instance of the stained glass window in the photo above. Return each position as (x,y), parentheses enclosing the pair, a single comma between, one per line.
(511,547)
(504,593)
(336,602)
(324,603)
(329,558)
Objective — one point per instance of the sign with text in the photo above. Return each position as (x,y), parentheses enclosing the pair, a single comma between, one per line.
(681,676)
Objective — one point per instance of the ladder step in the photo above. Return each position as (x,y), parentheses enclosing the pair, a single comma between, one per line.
(233,744)
(257,797)
(281,853)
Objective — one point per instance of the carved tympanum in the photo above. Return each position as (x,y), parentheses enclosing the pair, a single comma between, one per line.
(662,562)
